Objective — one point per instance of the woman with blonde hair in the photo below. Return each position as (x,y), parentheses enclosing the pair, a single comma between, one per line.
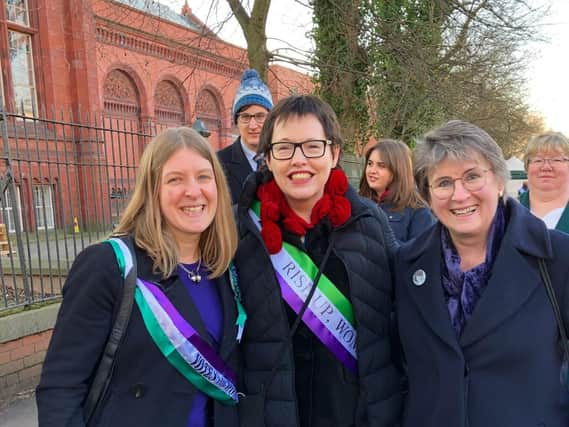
(388,181)
(177,362)
(547,164)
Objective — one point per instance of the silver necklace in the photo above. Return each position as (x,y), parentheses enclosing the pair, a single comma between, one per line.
(194,276)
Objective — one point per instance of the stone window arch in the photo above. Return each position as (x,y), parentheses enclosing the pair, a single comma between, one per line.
(168,104)
(120,95)
(208,109)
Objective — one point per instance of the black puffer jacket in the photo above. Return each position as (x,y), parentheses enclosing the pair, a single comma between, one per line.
(308,373)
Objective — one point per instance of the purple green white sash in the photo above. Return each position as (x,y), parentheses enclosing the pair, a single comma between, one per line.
(329,314)
(176,339)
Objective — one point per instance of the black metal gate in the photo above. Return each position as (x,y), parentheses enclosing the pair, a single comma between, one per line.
(64,181)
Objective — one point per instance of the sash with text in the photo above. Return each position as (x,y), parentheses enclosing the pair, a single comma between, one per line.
(176,339)
(329,314)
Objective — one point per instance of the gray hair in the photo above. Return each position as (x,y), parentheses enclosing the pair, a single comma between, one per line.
(460,141)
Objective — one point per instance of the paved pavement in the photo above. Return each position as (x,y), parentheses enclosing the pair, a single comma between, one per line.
(20,413)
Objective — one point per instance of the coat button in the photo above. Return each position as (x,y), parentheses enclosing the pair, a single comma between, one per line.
(138,390)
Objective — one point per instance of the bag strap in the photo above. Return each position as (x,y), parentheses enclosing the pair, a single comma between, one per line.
(104,371)
(298,319)
(556,310)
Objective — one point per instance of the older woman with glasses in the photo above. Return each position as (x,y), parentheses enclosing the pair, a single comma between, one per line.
(314,355)
(476,327)
(547,163)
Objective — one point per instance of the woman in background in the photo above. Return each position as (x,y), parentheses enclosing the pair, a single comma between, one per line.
(547,163)
(178,361)
(388,180)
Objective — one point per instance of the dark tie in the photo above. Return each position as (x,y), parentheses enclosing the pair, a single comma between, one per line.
(260,160)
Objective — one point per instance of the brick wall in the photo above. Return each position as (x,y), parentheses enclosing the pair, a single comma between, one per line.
(24,338)
(20,364)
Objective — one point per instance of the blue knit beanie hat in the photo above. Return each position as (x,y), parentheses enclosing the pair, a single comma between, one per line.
(252,91)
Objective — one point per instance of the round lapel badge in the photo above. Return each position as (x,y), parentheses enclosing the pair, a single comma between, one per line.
(419,277)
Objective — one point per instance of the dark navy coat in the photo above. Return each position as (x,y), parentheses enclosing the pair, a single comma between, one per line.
(504,370)
(146,390)
(408,223)
(236,167)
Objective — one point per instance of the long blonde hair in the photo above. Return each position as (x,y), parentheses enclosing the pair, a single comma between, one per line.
(143,219)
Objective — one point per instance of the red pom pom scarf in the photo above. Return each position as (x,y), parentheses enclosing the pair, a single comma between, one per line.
(274,207)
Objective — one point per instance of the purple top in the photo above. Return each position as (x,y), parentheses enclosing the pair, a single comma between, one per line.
(463,289)
(208,302)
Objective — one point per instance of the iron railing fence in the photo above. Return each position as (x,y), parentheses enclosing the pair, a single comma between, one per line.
(64,180)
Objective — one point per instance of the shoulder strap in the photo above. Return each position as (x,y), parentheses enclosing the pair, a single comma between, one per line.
(298,319)
(103,374)
(556,310)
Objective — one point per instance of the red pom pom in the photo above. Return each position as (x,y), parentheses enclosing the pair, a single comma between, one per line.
(337,183)
(320,209)
(269,191)
(261,192)
(272,236)
(269,211)
(340,212)
(294,225)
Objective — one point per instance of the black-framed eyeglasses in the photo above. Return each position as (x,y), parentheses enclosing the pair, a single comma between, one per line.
(245,118)
(472,180)
(553,161)
(311,149)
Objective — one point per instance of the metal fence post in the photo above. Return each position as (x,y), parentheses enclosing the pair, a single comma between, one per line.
(7,183)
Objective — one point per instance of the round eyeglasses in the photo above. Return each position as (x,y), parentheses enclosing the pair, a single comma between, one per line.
(472,180)
(311,149)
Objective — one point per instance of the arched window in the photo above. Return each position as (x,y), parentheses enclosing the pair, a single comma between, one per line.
(207,109)
(168,104)
(120,95)
(123,142)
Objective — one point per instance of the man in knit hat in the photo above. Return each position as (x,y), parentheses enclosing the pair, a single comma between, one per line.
(250,108)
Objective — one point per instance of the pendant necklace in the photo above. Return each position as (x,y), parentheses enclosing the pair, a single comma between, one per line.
(194,276)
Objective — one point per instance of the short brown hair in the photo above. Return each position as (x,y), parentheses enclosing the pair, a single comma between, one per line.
(300,106)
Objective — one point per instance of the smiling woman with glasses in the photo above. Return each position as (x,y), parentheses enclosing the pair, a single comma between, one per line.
(476,326)
(311,148)
(547,163)
(315,355)
(472,180)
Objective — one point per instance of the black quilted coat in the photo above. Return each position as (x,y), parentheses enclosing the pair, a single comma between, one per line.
(311,388)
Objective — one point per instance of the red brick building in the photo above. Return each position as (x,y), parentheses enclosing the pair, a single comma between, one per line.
(109,59)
